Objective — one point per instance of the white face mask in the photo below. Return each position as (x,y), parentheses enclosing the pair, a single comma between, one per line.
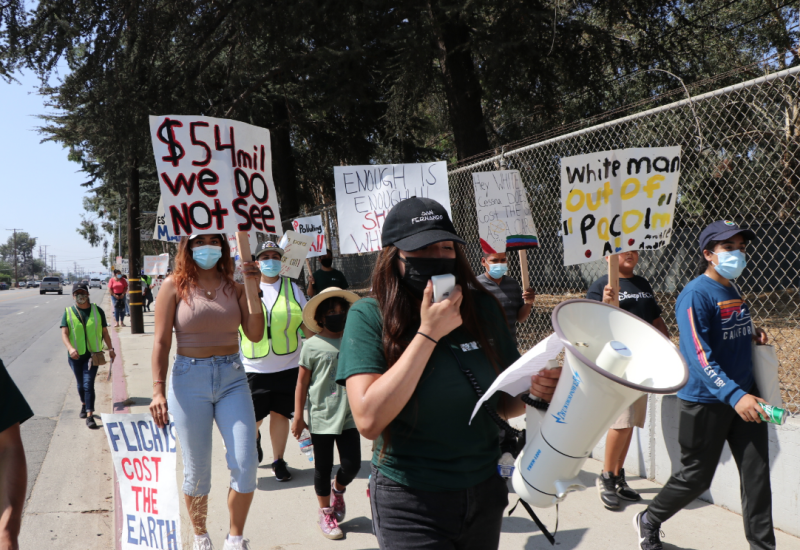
(81,299)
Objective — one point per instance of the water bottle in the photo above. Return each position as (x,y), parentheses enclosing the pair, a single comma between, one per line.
(505,466)
(306,445)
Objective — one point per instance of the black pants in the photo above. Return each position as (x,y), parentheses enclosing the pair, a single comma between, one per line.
(409,519)
(349,445)
(702,431)
(148,298)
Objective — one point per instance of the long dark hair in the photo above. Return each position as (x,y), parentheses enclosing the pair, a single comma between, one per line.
(401,311)
(185,274)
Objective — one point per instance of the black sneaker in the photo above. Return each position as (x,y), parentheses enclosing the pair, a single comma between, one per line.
(281,471)
(83,411)
(607,489)
(649,536)
(258,447)
(624,491)
(91,423)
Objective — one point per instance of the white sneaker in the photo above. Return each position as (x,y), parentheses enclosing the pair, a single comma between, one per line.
(203,543)
(243,545)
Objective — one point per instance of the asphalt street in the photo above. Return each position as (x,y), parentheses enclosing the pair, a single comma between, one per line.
(31,348)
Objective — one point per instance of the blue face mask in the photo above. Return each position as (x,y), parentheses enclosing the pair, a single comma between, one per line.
(207,256)
(731,264)
(270,268)
(496,271)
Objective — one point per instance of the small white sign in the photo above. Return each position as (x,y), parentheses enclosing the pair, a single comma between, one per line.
(312,225)
(156,265)
(295,249)
(504,213)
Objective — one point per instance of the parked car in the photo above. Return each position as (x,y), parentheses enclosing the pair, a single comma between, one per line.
(35,284)
(51,284)
(3,286)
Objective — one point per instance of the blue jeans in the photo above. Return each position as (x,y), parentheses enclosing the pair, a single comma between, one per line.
(410,519)
(119,312)
(84,376)
(202,391)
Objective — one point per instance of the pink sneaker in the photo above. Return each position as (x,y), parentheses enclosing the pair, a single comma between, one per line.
(328,524)
(337,503)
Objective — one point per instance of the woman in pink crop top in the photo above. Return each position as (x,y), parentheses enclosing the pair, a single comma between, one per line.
(208,384)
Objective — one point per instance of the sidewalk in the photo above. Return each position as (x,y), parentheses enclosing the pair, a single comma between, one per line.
(283,515)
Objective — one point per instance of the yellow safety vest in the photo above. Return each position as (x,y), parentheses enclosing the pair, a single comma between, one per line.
(280,326)
(91,333)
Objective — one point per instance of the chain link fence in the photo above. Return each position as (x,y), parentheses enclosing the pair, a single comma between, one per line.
(740,162)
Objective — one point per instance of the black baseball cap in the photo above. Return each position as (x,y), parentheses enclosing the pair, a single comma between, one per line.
(267,246)
(416,223)
(80,286)
(721,230)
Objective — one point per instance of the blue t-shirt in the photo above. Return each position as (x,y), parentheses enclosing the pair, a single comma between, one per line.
(716,341)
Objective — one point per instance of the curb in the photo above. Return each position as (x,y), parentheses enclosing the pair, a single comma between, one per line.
(119,394)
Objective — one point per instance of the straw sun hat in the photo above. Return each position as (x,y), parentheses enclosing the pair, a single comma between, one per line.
(331,292)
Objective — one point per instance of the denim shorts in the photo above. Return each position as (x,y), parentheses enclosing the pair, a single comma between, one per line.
(202,391)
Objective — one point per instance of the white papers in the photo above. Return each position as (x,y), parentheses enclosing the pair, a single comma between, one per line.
(516,379)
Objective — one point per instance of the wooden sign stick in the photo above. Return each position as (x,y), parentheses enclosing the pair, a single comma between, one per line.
(250,285)
(613,277)
(523,268)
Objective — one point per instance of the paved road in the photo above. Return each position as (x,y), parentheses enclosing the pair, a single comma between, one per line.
(31,348)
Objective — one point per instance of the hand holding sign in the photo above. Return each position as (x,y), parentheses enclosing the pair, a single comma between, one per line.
(295,249)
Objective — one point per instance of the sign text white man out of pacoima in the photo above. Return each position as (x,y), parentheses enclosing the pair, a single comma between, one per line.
(616,201)
(215,175)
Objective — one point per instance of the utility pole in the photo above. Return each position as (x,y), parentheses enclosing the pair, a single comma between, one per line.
(16,277)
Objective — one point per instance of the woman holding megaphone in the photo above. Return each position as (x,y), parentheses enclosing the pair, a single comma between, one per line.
(205,306)
(410,367)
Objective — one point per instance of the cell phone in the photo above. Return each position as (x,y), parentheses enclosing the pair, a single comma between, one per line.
(443,286)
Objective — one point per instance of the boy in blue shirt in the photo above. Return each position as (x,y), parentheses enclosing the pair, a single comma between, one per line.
(720,402)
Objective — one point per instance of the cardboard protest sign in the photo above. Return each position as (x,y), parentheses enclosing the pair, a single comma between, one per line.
(366,194)
(144,459)
(215,175)
(295,249)
(504,214)
(161,229)
(312,225)
(616,201)
(156,265)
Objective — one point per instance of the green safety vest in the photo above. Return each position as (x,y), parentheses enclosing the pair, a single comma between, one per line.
(280,326)
(91,333)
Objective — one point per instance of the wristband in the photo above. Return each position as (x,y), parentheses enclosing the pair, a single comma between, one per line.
(428,337)
(157,382)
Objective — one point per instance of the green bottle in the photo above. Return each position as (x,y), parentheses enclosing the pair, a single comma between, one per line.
(773,415)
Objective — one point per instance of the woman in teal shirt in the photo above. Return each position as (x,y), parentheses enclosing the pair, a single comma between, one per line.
(434,475)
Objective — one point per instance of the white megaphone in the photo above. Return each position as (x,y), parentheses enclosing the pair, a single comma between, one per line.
(611,358)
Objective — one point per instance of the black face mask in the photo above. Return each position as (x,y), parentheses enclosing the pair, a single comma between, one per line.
(420,270)
(335,323)
(326,262)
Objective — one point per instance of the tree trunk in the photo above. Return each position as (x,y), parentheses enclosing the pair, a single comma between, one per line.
(283,168)
(460,82)
(134,251)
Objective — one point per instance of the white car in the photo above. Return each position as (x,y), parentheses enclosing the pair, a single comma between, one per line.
(95,283)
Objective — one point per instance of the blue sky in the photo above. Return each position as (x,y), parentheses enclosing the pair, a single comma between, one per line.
(40,189)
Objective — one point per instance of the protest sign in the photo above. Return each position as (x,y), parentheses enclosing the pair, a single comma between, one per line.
(616,201)
(215,175)
(161,229)
(366,194)
(504,214)
(156,265)
(144,459)
(312,225)
(121,264)
(295,249)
